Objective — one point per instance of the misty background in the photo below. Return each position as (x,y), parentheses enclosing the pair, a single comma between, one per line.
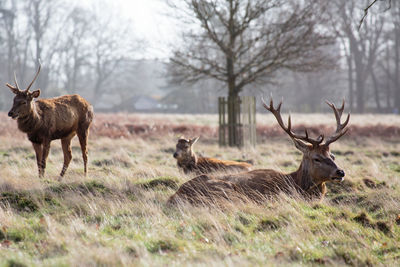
(122,56)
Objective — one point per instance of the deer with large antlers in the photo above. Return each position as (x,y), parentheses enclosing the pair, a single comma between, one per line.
(317,168)
(45,120)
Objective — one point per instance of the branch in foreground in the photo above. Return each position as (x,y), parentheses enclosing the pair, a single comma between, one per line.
(368,7)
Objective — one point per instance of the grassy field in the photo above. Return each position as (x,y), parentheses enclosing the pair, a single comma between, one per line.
(117,215)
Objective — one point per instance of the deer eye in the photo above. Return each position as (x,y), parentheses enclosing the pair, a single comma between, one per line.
(23,102)
(333,156)
(317,160)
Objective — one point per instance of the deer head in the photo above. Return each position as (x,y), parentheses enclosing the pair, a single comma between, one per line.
(22,103)
(317,158)
(184,148)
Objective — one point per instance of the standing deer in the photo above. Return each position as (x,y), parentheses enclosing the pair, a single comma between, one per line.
(189,162)
(317,168)
(45,120)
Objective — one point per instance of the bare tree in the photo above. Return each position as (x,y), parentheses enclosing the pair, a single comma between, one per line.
(112,42)
(72,42)
(7,18)
(395,77)
(389,5)
(75,50)
(389,61)
(8,21)
(243,42)
(16,39)
(41,15)
(362,46)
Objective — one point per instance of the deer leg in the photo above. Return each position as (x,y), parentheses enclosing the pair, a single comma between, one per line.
(39,153)
(45,154)
(83,138)
(66,147)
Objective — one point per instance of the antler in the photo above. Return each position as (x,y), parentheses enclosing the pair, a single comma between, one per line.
(277,114)
(34,79)
(15,88)
(340,128)
(15,81)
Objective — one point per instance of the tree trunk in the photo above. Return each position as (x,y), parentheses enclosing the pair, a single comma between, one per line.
(233,116)
(38,37)
(397,70)
(360,94)
(351,81)
(96,91)
(361,75)
(388,89)
(233,95)
(376,92)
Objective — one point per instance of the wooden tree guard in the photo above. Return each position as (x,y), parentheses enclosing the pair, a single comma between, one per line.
(241,131)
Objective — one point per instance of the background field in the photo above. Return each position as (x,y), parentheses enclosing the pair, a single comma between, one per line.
(118,214)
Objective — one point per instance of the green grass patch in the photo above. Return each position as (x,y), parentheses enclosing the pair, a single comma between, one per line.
(92,187)
(161,246)
(19,201)
(268,224)
(162,182)
(13,263)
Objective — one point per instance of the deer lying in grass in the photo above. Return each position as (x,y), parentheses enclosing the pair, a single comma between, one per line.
(189,162)
(317,168)
(45,120)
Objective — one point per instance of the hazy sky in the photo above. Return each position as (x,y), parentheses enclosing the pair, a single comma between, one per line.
(150,22)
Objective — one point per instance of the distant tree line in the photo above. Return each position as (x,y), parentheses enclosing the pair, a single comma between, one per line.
(305,51)
(81,49)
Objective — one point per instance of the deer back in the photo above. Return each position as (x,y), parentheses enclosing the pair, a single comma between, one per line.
(212,164)
(56,118)
(204,190)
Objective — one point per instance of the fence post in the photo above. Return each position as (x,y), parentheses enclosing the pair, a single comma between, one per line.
(239,130)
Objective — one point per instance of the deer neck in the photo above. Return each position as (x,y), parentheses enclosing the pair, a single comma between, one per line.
(190,161)
(302,178)
(31,121)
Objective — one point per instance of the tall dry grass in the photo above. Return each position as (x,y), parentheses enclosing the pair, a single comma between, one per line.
(159,125)
(118,214)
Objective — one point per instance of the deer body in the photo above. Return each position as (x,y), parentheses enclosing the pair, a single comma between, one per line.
(203,189)
(255,185)
(189,162)
(268,182)
(208,165)
(46,120)
(55,118)
(316,169)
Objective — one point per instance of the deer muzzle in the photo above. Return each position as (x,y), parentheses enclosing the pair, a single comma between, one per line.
(12,114)
(338,176)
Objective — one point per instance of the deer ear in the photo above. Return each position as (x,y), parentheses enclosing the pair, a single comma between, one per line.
(12,88)
(301,146)
(35,94)
(193,140)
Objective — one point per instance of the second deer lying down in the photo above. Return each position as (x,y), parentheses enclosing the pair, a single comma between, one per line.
(189,162)
(317,168)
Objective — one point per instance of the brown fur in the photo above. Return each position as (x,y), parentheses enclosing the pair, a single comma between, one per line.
(256,185)
(45,120)
(203,190)
(189,162)
(317,168)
